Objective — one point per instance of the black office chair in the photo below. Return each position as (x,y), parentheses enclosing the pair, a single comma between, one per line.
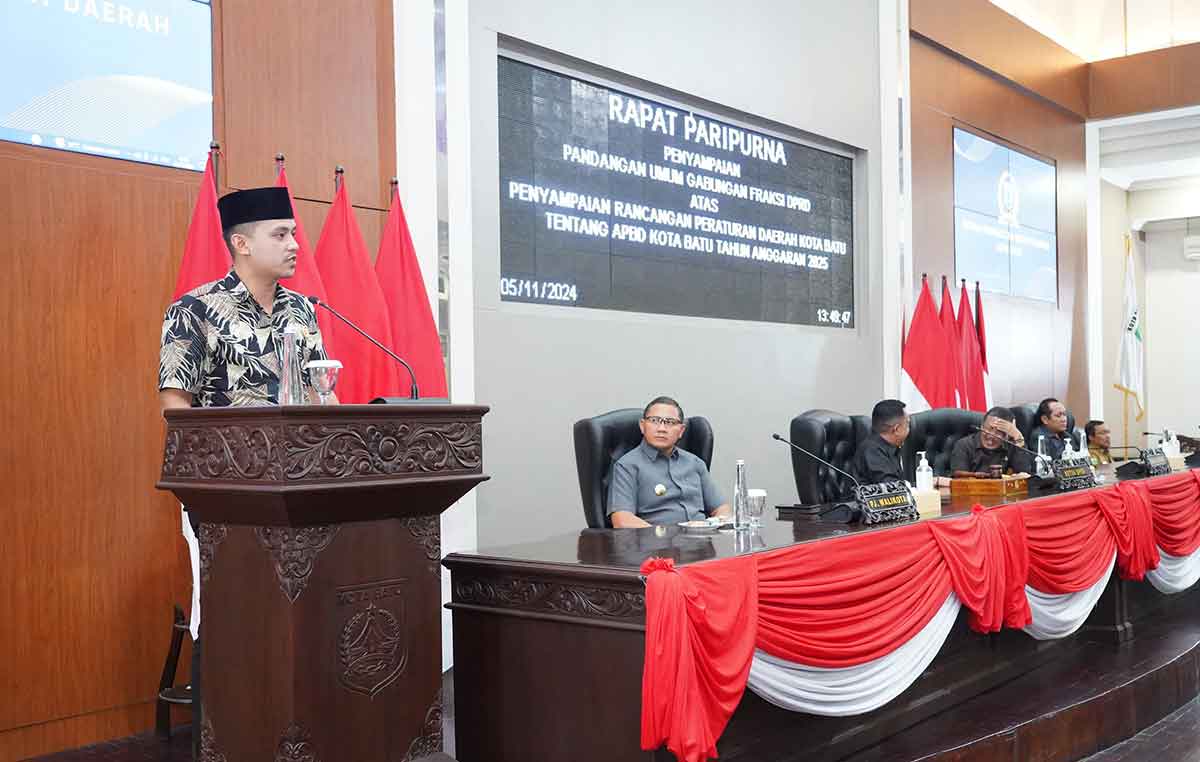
(833,436)
(935,433)
(601,441)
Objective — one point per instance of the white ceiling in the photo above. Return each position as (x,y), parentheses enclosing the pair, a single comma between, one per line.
(1099,29)
(1155,151)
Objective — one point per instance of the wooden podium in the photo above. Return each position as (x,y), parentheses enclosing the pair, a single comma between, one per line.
(320,550)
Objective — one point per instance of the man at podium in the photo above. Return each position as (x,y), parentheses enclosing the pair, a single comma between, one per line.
(220,340)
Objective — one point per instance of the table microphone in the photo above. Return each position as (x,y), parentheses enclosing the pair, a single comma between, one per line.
(1127,447)
(818,459)
(414,394)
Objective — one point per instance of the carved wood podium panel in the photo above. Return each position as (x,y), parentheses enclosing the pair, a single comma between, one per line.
(319,565)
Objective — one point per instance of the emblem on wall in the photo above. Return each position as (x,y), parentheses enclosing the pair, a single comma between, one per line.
(1008,198)
(371,650)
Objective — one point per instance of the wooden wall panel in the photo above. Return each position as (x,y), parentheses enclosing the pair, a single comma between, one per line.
(35,740)
(289,66)
(1151,81)
(979,31)
(91,556)
(91,553)
(1035,349)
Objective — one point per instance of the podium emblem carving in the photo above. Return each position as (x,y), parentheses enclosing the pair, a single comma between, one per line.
(294,550)
(371,650)
(294,746)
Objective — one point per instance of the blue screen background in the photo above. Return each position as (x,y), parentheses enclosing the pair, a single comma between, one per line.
(1005,232)
(129,79)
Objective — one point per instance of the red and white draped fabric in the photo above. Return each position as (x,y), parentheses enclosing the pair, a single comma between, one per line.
(1176,531)
(841,627)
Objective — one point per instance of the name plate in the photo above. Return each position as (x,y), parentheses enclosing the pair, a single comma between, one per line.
(1155,461)
(886,502)
(1074,473)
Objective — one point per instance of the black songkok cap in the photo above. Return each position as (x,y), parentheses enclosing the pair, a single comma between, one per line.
(254,205)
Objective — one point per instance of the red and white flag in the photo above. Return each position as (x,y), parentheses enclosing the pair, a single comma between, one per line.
(953,349)
(977,398)
(205,256)
(414,333)
(927,380)
(983,355)
(354,291)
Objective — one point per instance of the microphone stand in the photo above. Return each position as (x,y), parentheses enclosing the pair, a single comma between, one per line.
(412,377)
(818,459)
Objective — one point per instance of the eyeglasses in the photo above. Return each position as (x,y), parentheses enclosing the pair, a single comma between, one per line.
(657,421)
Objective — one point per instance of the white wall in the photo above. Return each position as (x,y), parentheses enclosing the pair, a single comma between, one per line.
(1114,222)
(808,65)
(1172,352)
(1172,202)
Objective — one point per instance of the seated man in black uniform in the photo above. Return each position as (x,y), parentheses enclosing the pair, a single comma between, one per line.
(999,444)
(1052,417)
(878,456)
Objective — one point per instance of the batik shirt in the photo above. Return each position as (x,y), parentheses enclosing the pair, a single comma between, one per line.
(219,344)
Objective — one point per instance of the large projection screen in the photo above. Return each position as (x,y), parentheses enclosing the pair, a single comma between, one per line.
(616,201)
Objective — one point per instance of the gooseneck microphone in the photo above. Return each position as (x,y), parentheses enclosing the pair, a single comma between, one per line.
(412,377)
(1127,447)
(818,459)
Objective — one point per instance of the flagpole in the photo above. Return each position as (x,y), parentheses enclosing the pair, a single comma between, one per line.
(214,148)
(278,164)
(338,172)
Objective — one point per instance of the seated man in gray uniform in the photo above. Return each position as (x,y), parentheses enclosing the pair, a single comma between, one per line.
(658,483)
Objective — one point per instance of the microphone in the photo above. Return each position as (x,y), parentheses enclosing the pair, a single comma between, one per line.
(1127,447)
(818,459)
(412,377)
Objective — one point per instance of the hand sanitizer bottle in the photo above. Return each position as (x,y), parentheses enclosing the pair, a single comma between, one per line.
(924,474)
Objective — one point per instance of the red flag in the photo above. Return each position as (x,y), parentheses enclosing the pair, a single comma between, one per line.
(354,291)
(307,278)
(205,256)
(950,326)
(928,380)
(968,341)
(414,334)
(983,357)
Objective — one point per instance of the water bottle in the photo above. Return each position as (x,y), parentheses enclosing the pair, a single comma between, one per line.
(924,474)
(1043,460)
(741,513)
(291,388)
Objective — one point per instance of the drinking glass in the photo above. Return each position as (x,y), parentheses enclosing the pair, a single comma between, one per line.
(324,376)
(756,503)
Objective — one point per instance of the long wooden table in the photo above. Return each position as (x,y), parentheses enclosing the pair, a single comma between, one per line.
(549,640)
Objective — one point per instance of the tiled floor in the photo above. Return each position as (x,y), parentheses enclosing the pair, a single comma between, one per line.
(147,748)
(144,748)
(1174,738)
